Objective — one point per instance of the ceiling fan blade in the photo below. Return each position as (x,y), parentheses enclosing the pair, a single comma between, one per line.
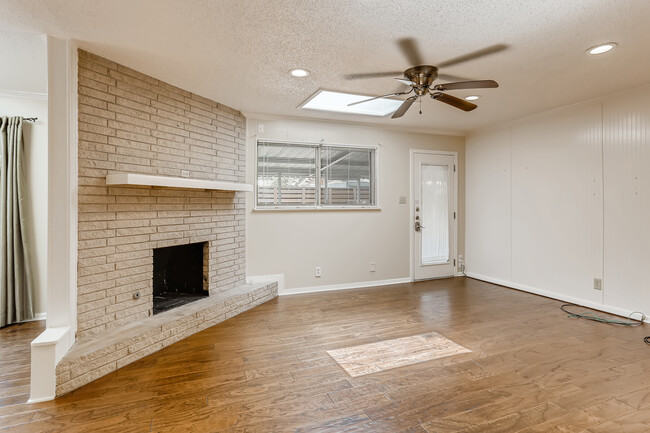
(474,55)
(379,97)
(410,50)
(373,75)
(476,84)
(405,81)
(404,107)
(449,77)
(453,101)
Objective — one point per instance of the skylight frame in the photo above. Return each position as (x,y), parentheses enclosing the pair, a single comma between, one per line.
(355,109)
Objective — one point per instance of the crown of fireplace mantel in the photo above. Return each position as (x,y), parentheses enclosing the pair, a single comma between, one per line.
(174,182)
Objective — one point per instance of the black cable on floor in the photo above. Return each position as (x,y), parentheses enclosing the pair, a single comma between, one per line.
(593,317)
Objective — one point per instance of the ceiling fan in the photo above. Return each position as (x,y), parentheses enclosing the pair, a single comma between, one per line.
(420,78)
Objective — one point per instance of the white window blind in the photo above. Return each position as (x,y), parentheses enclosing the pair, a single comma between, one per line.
(314,176)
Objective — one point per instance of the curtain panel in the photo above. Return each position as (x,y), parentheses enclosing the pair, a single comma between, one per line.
(16,298)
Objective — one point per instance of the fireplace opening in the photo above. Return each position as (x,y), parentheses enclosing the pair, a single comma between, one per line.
(178,276)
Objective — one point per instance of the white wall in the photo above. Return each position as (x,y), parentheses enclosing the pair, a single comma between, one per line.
(24,62)
(560,198)
(23,87)
(342,243)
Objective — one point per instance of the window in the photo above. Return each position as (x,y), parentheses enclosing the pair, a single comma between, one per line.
(315,176)
(326,100)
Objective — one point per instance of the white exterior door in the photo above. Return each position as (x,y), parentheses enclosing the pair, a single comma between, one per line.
(433,215)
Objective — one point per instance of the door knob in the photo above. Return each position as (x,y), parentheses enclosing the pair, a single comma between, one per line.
(418,226)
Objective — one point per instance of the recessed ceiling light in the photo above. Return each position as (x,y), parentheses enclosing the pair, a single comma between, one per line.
(326,100)
(300,73)
(472,98)
(602,48)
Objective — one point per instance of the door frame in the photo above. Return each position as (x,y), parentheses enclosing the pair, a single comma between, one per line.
(454,201)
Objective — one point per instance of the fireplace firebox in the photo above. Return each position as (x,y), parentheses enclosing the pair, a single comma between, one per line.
(178,276)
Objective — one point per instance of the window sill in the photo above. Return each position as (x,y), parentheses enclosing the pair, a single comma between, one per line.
(316,209)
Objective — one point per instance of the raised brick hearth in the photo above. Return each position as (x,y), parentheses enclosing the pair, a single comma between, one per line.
(94,357)
(132,123)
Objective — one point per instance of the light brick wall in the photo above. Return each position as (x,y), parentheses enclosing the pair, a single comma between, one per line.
(130,122)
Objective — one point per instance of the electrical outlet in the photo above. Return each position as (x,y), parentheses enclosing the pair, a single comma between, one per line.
(598,284)
(318,272)
(402,199)
(373,266)
(185,173)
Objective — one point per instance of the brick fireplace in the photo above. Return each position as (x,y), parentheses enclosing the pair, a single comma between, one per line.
(132,123)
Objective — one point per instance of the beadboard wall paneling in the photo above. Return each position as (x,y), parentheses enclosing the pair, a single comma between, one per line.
(579,202)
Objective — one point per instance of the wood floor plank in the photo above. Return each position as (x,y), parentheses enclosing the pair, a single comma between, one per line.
(268,370)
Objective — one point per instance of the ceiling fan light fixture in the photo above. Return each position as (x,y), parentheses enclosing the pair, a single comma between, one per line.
(299,73)
(472,97)
(602,48)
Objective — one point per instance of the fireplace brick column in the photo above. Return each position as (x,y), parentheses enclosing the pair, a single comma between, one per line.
(131,122)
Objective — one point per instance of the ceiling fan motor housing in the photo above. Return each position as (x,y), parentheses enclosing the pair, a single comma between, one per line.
(423,76)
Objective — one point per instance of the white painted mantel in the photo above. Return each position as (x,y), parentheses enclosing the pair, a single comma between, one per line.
(174,182)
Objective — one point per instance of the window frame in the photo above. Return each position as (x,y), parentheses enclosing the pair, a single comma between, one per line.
(374,178)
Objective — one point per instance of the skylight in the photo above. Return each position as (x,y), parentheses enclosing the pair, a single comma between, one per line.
(326,100)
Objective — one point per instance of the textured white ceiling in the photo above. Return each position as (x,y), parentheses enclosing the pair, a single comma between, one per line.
(238,52)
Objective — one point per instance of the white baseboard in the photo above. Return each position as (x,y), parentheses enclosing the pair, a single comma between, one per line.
(344,286)
(554,295)
(40,400)
(37,316)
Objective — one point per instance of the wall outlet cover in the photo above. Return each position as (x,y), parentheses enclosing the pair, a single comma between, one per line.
(598,284)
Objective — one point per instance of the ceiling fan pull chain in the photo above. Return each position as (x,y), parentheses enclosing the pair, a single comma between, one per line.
(420,105)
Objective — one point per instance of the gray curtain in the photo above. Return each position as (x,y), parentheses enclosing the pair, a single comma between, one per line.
(16,299)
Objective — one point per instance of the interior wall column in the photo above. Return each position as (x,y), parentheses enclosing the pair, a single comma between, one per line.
(50,347)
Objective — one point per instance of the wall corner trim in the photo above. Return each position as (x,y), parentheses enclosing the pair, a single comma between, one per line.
(47,350)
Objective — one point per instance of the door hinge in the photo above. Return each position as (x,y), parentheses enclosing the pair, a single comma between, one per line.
(454,168)
(454,215)
(454,262)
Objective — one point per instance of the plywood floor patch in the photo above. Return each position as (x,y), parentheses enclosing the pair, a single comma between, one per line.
(399,352)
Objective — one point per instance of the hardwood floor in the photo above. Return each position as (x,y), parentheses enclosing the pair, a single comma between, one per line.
(15,352)
(531,369)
